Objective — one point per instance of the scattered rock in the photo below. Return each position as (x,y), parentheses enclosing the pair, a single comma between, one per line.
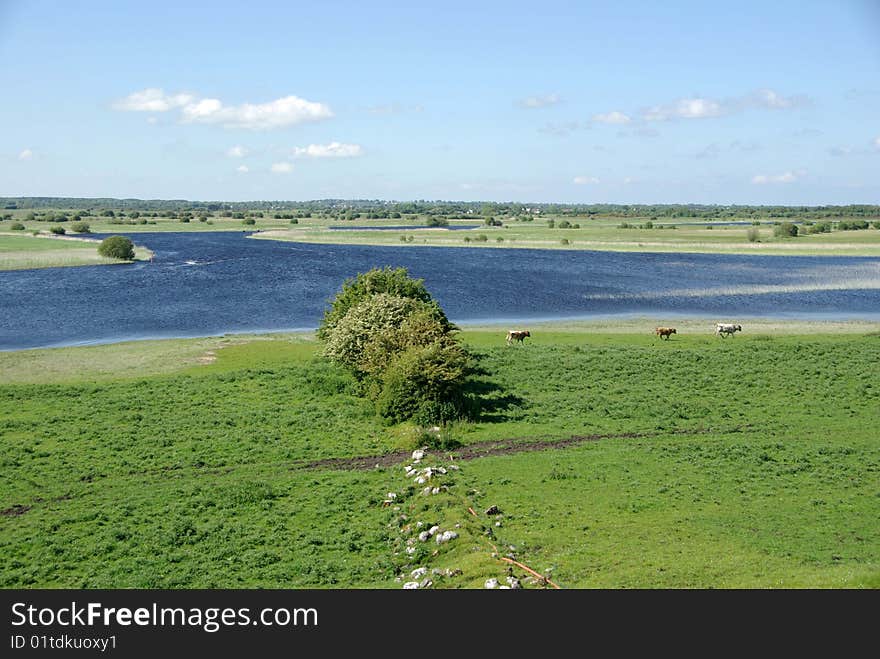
(454,467)
(411,585)
(434,529)
(490,583)
(419,572)
(497,523)
(493,510)
(514,583)
(426,583)
(410,550)
(391,495)
(418,454)
(424,535)
(436,490)
(446,536)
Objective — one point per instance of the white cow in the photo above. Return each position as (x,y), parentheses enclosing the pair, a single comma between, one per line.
(726,328)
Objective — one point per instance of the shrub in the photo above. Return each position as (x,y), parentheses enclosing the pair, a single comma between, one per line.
(394,281)
(437,222)
(117,247)
(17,226)
(481,238)
(387,330)
(786,230)
(294,221)
(184,219)
(499,239)
(564,224)
(467,239)
(425,384)
(753,235)
(649,224)
(564,241)
(80,227)
(58,231)
(249,221)
(551,224)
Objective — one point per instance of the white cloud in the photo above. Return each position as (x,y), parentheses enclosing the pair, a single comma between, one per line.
(25,154)
(152,99)
(282,168)
(287,111)
(540,101)
(332,150)
(243,169)
(787,177)
(152,121)
(614,117)
(767,98)
(684,108)
(877,142)
(702,108)
(236,152)
(585,180)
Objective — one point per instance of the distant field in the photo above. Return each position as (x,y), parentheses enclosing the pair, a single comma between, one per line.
(595,233)
(20,252)
(235,462)
(598,234)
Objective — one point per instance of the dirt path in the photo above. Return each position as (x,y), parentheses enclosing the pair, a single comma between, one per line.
(492,448)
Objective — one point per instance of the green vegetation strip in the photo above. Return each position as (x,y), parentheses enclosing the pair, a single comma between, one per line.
(189,474)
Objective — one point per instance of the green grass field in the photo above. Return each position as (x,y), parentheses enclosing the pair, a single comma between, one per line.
(596,233)
(703,463)
(20,252)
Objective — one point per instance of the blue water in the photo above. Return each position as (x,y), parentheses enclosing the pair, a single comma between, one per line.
(203,284)
(407,227)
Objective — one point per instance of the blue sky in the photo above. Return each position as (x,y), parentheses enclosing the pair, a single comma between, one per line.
(589,102)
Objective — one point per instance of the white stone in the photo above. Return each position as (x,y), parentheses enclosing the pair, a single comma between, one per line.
(424,535)
(441,470)
(419,572)
(421,480)
(418,454)
(503,587)
(490,583)
(446,536)
(427,490)
(411,585)
(391,495)
(436,490)
(410,550)
(455,467)
(426,583)
(433,530)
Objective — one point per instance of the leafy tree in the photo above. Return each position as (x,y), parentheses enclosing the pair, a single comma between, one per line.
(394,281)
(786,230)
(387,330)
(58,231)
(80,227)
(117,247)
(17,226)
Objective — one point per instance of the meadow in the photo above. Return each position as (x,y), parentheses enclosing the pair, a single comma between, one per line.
(616,460)
(593,232)
(21,252)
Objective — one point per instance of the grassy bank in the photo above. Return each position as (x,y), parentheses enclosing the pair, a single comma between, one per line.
(597,234)
(594,232)
(22,252)
(747,462)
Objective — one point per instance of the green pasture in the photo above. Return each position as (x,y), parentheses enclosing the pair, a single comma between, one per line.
(20,252)
(714,463)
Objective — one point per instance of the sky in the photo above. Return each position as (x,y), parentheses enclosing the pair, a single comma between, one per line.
(746,102)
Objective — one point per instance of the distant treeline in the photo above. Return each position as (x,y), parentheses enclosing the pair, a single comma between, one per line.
(450,209)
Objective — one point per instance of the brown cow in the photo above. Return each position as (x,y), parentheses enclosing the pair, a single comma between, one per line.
(517,335)
(665,332)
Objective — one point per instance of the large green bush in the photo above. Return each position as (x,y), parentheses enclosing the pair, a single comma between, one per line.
(394,281)
(388,331)
(117,247)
